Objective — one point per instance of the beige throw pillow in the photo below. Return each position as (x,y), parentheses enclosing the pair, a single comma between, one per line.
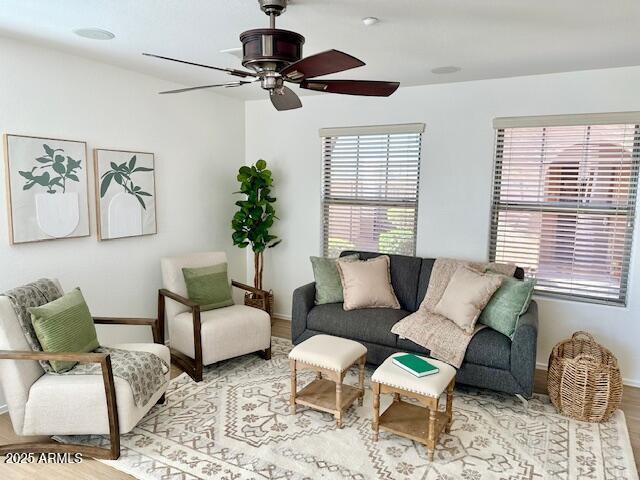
(466,295)
(367,284)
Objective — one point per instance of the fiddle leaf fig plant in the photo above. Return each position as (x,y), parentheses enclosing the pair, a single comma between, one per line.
(252,222)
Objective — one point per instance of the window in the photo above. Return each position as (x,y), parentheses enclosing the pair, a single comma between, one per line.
(564,197)
(370,188)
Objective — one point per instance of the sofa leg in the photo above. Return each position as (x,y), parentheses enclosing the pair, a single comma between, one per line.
(266,353)
(525,402)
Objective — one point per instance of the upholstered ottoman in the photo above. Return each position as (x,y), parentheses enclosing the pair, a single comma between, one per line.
(330,357)
(419,423)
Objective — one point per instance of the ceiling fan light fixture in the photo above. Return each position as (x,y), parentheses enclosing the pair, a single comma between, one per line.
(94,33)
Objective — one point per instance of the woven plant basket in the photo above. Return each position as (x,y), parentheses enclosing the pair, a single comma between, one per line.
(261,301)
(584,380)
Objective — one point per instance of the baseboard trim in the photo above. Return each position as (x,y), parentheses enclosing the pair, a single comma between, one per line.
(626,381)
(3,409)
(282,316)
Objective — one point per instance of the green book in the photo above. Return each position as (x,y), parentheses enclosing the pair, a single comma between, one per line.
(415,365)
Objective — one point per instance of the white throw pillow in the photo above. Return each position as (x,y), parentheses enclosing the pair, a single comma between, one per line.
(367,284)
(466,295)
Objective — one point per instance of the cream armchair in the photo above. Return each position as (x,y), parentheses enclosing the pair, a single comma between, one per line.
(46,404)
(202,338)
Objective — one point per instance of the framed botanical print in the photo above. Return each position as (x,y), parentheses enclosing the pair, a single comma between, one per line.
(125,193)
(46,187)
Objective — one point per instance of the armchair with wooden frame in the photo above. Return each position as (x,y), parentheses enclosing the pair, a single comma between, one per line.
(200,338)
(42,404)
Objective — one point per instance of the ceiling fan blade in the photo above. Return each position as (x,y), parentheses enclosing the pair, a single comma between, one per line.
(227,85)
(287,100)
(352,87)
(230,71)
(325,63)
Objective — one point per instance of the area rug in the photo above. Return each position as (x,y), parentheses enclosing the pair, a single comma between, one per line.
(236,424)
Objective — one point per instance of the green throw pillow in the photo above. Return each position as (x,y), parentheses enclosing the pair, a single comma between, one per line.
(208,286)
(505,307)
(327,277)
(65,325)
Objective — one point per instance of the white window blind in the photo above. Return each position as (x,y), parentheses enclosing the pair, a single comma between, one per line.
(564,200)
(370,188)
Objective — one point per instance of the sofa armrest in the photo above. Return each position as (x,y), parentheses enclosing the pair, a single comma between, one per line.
(304,299)
(524,348)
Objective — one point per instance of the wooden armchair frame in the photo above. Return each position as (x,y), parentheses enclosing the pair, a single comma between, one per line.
(104,359)
(193,366)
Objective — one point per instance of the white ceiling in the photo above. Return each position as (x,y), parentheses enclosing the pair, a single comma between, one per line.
(487,38)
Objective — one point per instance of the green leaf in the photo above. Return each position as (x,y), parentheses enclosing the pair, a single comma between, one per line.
(43,179)
(142,169)
(106,181)
(143,193)
(71,176)
(261,164)
(43,160)
(48,149)
(132,163)
(27,175)
(118,178)
(59,158)
(141,201)
(114,166)
(58,167)
(28,185)
(275,244)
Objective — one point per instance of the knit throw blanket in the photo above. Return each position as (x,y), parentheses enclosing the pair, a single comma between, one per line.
(143,371)
(441,336)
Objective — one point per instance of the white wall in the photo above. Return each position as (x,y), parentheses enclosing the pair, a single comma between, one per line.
(455,179)
(198,141)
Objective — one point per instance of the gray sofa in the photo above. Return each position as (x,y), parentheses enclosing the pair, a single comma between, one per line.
(492,360)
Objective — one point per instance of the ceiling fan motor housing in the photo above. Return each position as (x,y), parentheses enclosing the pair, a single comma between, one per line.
(270,49)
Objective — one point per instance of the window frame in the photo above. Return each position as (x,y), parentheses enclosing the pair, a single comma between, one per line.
(598,119)
(359,131)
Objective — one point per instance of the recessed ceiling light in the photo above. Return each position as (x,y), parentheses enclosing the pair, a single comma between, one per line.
(94,33)
(446,70)
(368,21)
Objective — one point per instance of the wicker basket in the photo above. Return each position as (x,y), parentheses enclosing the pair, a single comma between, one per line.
(262,301)
(584,380)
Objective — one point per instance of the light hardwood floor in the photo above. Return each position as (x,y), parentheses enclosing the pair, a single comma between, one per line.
(91,469)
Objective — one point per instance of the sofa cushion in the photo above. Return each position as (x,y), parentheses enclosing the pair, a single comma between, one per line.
(404,276)
(487,347)
(367,324)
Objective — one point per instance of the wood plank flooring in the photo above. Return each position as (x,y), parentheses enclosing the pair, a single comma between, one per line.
(91,469)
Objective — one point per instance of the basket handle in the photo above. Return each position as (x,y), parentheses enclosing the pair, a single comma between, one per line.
(587,336)
(586,358)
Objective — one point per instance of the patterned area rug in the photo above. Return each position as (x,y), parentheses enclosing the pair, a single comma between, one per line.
(236,425)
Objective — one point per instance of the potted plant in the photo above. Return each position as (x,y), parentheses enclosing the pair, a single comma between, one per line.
(57,210)
(252,222)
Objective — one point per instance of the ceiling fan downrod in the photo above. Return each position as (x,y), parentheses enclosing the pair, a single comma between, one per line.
(273,8)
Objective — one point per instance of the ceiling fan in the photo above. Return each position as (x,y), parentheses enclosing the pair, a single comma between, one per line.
(275,56)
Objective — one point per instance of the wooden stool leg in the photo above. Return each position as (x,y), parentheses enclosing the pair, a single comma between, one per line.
(318,375)
(363,360)
(376,410)
(449,406)
(339,402)
(396,397)
(294,386)
(431,444)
